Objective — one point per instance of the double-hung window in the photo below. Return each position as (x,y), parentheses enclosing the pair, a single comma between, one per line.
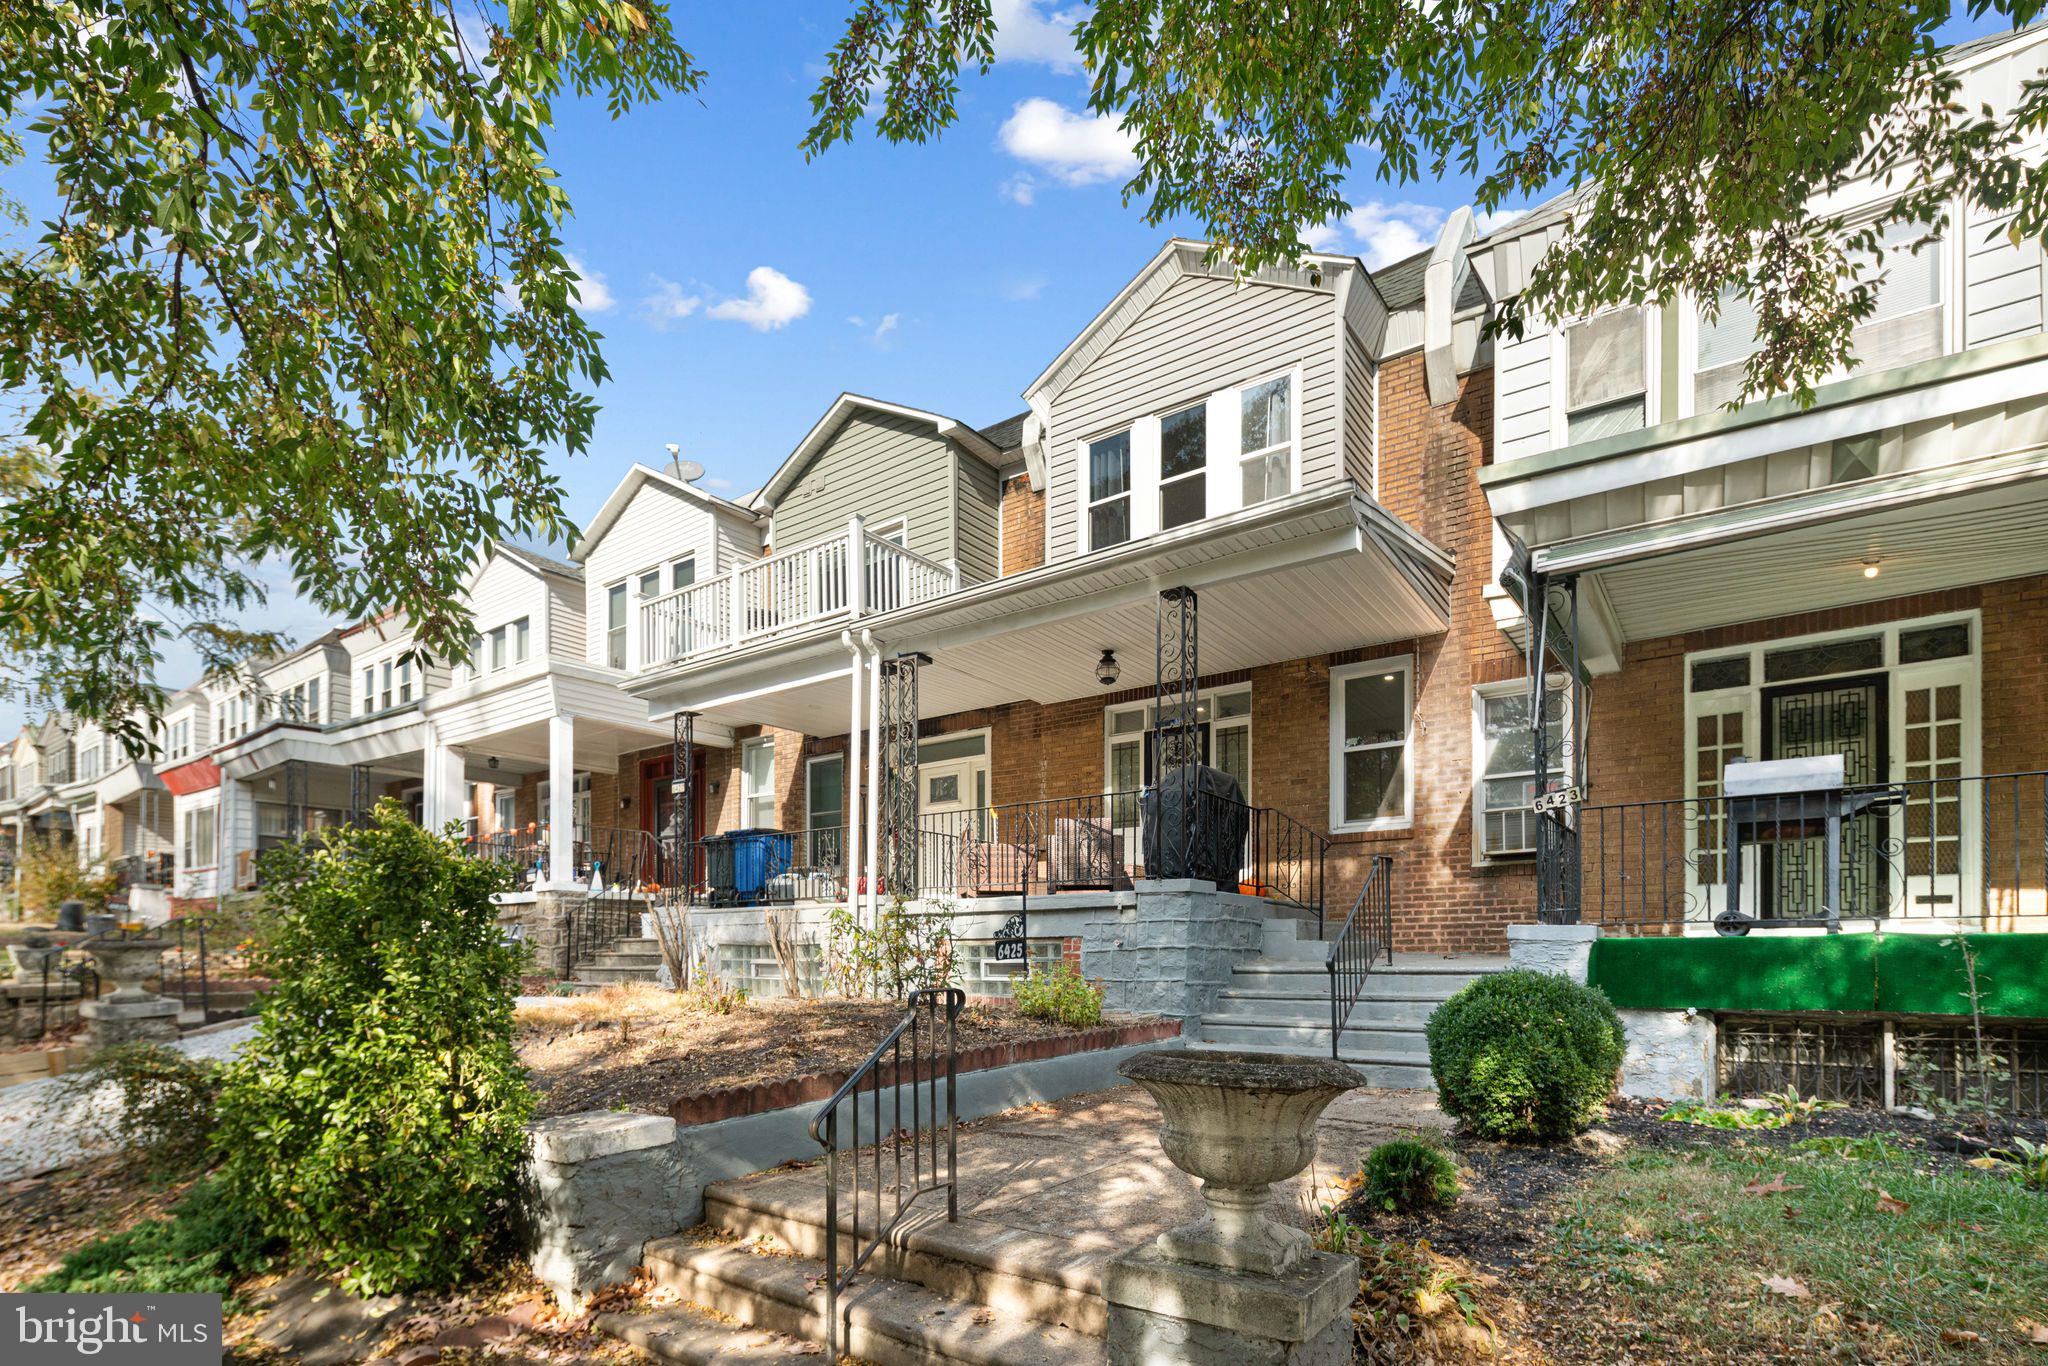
(1266,426)
(1109,491)
(522,639)
(615,626)
(757,784)
(1607,375)
(369,702)
(1184,467)
(1506,784)
(1370,709)
(682,573)
(404,681)
(498,643)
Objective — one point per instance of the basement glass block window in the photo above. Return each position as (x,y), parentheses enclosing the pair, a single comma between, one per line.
(753,968)
(1824,657)
(1711,675)
(983,974)
(1934,642)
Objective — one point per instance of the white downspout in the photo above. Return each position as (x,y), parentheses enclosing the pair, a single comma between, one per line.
(873,652)
(853,760)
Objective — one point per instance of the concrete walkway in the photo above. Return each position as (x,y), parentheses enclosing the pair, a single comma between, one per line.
(37,1137)
(1089,1171)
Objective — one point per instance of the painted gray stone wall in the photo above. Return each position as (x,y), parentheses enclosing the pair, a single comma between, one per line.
(1171,950)
(1670,1055)
(1565,950)
(599,1185)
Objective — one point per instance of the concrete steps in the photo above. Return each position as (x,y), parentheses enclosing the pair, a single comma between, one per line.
(764,1285)
(1280,1003)
(634,958)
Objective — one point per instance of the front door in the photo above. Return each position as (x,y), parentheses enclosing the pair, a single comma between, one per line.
(1845,716)
(951,787)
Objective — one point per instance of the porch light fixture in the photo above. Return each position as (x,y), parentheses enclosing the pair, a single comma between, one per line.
(1870,567)
(1107,669)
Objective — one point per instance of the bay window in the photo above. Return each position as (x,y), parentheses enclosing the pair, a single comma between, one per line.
(1370,709)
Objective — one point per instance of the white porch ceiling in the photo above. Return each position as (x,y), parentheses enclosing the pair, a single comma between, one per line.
(1999,533)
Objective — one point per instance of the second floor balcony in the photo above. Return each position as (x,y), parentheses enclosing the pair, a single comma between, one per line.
(850,574)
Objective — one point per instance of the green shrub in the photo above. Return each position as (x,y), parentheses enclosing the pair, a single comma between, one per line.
(200,1247)
(376,1120)
(1409,1174)
(1525,1055)
(167,1103)
(1060,994)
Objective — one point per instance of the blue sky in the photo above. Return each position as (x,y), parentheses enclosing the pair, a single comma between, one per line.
(739,289)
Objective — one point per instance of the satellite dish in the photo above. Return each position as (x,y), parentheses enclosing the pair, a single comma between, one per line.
(689,471)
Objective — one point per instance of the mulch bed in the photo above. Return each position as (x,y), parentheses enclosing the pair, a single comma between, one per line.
(1505,1212)
(645,1057)
(42,1218)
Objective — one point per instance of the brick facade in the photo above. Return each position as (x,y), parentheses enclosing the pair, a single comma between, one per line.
(1023,526)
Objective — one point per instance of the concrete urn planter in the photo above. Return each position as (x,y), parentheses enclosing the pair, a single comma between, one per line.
(31,960)
(127,963)
(1238,1122)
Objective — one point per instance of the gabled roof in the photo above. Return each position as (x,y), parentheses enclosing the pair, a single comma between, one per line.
(969,439)
(637,478)
(1180,256)
(1007,435)
(531,561)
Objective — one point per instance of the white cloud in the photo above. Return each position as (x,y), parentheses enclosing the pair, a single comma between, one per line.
(1026,31)
(1322,237)
(885,327)
(666,303)
(1078,149)
(1386,233)
(589,293)
(773,301)
(1486,221)
(717,484)
(1024,287)
(1020,189)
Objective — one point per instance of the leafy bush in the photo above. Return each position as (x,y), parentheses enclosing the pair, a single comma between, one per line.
(50,874)
(1060,994)
(167,1103)
(206,1241)
(1409,1174)
(376,1119)
(1525,1055)
(900,953)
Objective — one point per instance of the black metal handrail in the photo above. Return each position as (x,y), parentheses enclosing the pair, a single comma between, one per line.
(1959,848)
(759,867)
(1367,934)
(884,1070)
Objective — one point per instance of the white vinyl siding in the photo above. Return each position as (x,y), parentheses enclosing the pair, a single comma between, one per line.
(1198,337)
(655,529)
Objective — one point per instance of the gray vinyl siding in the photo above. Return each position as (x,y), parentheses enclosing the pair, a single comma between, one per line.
(883,467)
(1199,336)
(977,513)
(1359,397)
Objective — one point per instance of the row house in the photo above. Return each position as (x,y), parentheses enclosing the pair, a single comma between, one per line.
(72,784)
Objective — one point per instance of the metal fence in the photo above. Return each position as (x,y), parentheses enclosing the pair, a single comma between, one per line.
(1968,850)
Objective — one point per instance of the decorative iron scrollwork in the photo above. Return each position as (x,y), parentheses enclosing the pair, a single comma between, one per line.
(1011,941)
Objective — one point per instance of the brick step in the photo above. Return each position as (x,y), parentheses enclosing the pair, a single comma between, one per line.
(1029,1276)
(888,1322)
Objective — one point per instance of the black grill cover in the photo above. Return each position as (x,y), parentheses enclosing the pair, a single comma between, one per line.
(1220,819)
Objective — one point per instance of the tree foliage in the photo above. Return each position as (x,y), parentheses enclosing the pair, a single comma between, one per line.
(376,1120)
(1699,135)
(303,300)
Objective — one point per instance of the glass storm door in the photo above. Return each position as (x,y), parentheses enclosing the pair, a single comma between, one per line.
(1845,716)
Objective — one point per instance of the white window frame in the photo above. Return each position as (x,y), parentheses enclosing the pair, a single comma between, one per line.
(1200,476)
(1111,737)
(810,812)
(1405,666)
(623,632)
(677,563)
(1561,371)
(1293,442)
(749,793)
(1482,694)
(1129,494)
(522,639)
(369,700)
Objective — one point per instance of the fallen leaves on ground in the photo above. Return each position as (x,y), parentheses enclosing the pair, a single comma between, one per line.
(1887,1203)
(1790,1288)
(1775,1186)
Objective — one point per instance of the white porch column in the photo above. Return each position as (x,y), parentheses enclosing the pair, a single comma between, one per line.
(442,782)
(874,801)
(561,813)
(855,678)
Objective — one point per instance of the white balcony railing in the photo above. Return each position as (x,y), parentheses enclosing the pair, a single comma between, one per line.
(787,591)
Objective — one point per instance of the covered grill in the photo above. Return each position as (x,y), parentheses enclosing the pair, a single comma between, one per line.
(1776,802)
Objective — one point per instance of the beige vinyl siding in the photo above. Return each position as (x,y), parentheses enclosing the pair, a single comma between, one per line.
(976,515)
(1201,335)
(883,467)
(2002,283)
(1359,397)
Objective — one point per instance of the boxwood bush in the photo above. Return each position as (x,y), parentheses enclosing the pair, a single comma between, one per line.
(1525,1055)
(1408,1174)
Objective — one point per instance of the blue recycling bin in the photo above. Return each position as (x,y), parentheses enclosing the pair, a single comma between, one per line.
(740,863)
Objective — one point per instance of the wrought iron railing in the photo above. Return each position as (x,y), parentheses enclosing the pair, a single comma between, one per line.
(50,982)
(1972,851)
(523,850)
(926,1128)
(144,870)
(1366,936)
(619,870)
(1097,842)
(760,868)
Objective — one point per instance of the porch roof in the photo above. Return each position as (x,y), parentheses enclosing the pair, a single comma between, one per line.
(1315,573)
